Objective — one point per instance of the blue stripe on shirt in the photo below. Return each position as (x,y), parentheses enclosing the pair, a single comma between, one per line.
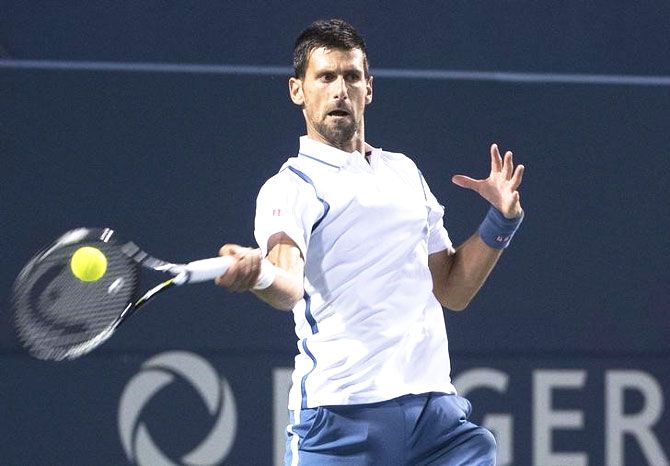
(315,329)
(308,314)
(307,179)
(303,391)
(308,300)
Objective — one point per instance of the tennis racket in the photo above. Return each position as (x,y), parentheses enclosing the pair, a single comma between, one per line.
(59,316)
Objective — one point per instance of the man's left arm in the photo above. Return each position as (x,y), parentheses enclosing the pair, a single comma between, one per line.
(458,277)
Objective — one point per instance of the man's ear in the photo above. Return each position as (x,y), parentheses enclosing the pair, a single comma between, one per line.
(295,90)
(368,96)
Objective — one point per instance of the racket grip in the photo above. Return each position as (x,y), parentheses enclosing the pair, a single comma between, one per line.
(206,269)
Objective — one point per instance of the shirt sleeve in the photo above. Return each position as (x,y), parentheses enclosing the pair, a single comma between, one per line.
(286,204)
(438,237)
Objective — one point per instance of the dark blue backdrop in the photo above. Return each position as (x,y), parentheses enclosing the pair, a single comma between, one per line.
(174,161)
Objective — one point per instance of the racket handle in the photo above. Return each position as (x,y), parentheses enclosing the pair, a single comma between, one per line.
(204,270)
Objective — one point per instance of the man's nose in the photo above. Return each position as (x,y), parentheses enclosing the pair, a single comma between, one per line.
(341,91)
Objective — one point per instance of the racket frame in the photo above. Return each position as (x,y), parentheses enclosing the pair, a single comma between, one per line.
(192,272)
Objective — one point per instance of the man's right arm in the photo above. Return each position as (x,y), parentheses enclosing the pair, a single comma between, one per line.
(287,287)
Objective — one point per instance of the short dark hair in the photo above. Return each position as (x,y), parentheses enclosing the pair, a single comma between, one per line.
(331,34)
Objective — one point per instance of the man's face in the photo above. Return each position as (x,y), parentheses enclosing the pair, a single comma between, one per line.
(333,95)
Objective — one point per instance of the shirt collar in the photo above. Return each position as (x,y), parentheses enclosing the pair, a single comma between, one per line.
(328,154)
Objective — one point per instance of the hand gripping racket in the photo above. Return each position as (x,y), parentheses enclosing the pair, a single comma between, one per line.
(60,316)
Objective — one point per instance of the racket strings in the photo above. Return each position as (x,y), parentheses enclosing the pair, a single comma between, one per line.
(55,311)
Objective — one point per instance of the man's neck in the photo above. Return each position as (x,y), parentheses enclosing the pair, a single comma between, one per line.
(356,144)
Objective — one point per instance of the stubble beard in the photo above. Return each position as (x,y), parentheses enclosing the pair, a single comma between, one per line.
(339,134)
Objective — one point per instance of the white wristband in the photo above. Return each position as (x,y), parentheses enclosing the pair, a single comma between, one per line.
(266,276)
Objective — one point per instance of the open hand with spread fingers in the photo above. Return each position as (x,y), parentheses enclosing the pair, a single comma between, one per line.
(501,186)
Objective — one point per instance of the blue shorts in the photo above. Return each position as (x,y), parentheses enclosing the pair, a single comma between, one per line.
(431,428)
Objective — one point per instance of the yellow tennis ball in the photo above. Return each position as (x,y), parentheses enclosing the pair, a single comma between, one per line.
(88,264)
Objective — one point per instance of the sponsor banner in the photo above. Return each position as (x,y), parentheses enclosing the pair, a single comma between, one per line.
(171,407)
(182,407)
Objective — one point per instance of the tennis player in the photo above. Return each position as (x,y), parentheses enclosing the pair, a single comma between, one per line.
(355,246)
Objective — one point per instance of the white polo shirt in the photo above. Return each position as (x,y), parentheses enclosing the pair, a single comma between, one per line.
(369,327)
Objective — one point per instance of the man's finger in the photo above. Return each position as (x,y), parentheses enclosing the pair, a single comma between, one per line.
(234,278)
(517,177)
(231,250)
(496,161)
(508,165)
(236,252)
(250,263)
(255,271)
(466,182)
(241,275)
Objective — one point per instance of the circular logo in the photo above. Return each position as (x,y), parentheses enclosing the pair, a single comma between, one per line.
(216,395)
